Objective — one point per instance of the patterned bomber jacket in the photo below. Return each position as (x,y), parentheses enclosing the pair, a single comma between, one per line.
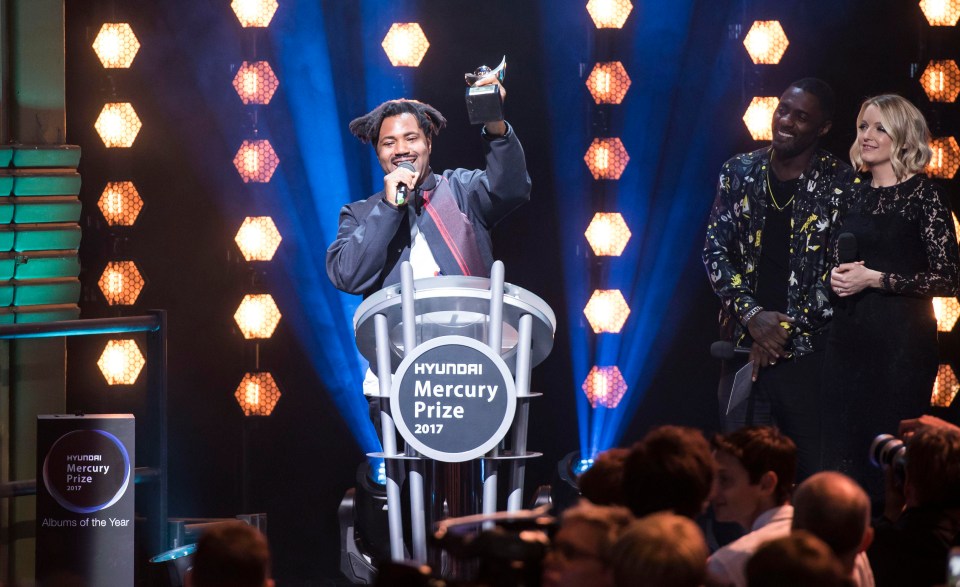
(734,235)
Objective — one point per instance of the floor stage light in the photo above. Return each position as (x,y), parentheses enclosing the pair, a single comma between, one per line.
(607,234)
(941,12)
(257,394)
(405,44)
(608,82)
(609,14)
(256,161)
(121,283)
(255,82)
(945,387)
(254,13)
(947,311)
(120,203)
(116,45)
(121,362)
(759,117)
(946,158)
(941,80)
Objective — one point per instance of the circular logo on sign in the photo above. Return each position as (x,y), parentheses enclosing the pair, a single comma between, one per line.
(453,399)
(86,471)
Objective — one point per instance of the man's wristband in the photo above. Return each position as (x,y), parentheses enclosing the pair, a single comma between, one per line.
(753,312)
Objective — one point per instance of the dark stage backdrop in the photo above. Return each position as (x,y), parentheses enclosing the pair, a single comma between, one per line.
(299,461)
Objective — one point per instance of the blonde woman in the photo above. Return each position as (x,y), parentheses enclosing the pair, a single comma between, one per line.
(882,351)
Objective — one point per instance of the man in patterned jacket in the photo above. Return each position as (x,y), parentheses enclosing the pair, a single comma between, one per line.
(766,257)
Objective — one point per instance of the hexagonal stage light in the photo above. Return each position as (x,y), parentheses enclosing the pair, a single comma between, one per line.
(116,45)
(945,387)
(608,82)
(941,80)
(607,234)
(121,362)
(120,203)
(257,394)
(255,82)
(759,117)
(609,14)
(258,238)
(118,124)
(766,42)
(257,316)
(606,311)
(607,158)
(405,44)
(941,12)
(947,311)
(121,283)
(946,158)
(256,161)
(254,13)
(604,386)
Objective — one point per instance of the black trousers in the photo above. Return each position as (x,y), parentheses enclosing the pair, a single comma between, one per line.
(786,395)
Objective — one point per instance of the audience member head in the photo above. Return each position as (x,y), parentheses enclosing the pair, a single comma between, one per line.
(933,468)
(231,555)
(907,128)
(832,507)
(797,560)
(580,551)
(660,550)
(670,469)
(602,483)
(756,467)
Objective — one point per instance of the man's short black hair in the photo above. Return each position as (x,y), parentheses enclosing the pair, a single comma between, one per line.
(232,554)
(823,92)
(367,127)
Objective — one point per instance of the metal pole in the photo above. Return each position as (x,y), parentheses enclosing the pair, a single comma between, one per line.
(392,466)
(418,521)
(157,422)
(521,420)
(495,341)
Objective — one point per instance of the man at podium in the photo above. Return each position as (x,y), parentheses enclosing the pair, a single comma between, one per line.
(439,222)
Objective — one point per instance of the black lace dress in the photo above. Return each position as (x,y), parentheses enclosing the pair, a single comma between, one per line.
(881,358)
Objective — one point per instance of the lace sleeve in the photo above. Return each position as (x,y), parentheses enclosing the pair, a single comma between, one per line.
(942,278)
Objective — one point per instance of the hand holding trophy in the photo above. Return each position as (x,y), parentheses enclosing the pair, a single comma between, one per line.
(485,95)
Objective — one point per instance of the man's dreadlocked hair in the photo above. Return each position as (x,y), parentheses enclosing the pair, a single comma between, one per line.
(367,127)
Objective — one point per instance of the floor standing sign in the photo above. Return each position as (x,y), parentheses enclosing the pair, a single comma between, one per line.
(85,505)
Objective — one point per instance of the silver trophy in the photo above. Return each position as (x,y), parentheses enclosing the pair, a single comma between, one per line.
(483,102)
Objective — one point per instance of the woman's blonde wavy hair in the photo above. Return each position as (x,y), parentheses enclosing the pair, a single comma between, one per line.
(907,129)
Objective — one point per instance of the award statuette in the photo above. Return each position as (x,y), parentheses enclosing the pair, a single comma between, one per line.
(483,102)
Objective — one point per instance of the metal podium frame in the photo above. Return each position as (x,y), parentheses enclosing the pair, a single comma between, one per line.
(533,326)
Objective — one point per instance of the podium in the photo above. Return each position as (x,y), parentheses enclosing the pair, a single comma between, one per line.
(453,356)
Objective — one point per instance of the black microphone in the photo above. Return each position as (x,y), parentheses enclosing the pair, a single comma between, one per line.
(402,187)
(726,350)
(847,248)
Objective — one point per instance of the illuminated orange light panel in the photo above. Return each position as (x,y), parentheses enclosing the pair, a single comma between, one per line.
(255,82)
(254,13)
(606,311)
(609,14)
(257,394)
(607,234)
(257,316)
(121,362)
(256,161)
(941,80)
(116,45)
(405,44)
(608,82)
(607,158)
(604,386)
(947,311)
(759,117)
(766,42)
(118,124)
(120,203)
(941,12)
(121,283)
(945,387)
(946,158)
(258,238)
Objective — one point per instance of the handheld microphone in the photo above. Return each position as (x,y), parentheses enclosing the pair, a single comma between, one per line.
(726,350)
(847,248)
(402,188)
